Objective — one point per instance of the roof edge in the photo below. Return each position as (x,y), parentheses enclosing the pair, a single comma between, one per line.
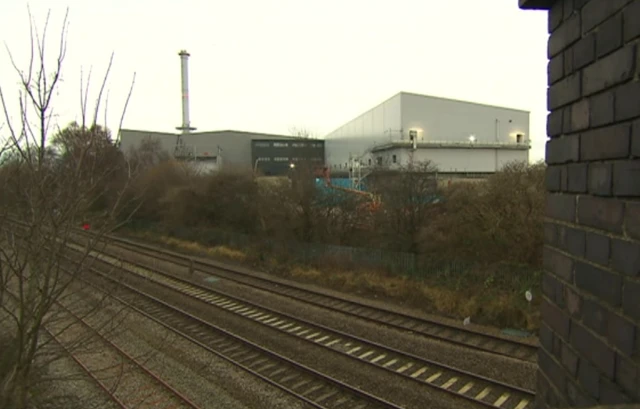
(463,101)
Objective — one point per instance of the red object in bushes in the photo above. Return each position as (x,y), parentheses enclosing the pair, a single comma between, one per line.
(85,226)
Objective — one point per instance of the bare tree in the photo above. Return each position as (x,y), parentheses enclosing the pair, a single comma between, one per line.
(52,182)
(301,132)
(407,194)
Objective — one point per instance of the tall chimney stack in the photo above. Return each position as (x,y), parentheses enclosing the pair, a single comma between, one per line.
(186,124)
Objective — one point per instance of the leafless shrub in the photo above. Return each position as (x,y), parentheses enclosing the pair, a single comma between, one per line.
(52,182)
(407,195)
(499,220)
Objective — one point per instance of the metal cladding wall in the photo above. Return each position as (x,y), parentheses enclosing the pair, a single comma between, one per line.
(590,332)
(377,126)
(447,120)
(455,160)
(273,157)
(434,120)
(234,146)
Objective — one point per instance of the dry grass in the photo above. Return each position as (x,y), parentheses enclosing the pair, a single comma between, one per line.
(222,252)
(484,305)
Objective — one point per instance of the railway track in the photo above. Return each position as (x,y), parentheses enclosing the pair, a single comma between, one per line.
(135,386)
(478,389)
(457,335)
(314,388)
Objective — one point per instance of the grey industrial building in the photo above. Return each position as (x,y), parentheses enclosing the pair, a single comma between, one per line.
(457,136)
(264,153)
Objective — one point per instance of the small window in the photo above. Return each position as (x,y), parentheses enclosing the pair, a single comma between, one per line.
(262,144)
(369,161)
(280,144)
(519,138)
(394,159)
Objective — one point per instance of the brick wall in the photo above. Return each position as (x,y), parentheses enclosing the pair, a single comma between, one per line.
(590,334)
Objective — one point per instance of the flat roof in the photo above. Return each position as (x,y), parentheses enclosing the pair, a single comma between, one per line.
(247,133)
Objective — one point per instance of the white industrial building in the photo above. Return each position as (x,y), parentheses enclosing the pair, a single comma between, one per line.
(457,136)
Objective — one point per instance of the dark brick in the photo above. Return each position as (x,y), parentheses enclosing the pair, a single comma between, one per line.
(552,178)
(564,175)
(628,101)
(566,119)
(596,11)
(631,295)
(554,123)
(626,178)
(555,16)
(595,316)
(589,378)
(635,131)
(573,301)
(625,257)
(569,359)
(603,284)
(631,16)
(632,220)
(555,69)
(568,59)
(583,53)
(557,347)
(550,234)
(580,115)
(561,207)
(609,36)
(551,369)
(602,106)
(557,320)
(611,142)
(567,34)
(564,91)
(600,179)
(595,350)
(628,376)
(553,289)
(611,394)
(621,333)
(571,240)
(601,213)
(546,337)
(598,248)
(578,4)
(568,9)
(543,389)
(609,71)
(577,178)
(564,149)
(577,397)
(558,264)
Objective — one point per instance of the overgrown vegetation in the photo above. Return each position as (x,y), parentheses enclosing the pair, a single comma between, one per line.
(470,249)
(52,180)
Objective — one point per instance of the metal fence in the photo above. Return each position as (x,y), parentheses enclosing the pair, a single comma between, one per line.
(416,266)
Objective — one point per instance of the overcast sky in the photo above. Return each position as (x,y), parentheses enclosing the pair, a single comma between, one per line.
(269,65)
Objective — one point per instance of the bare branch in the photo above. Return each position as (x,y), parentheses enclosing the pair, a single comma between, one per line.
(124,110)
(104,83)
